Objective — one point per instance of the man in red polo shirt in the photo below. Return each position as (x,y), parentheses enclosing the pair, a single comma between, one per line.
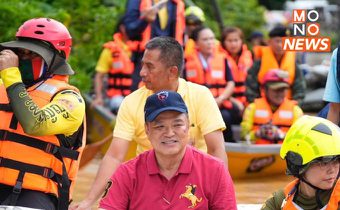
(173,174)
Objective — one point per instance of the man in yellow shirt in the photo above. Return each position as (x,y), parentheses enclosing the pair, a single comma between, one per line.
(161,66)
(41,128)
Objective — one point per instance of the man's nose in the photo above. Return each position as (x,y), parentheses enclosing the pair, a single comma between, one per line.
(142,72)
(169,131)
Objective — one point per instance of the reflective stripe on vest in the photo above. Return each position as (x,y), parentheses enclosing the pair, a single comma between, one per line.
(268,62)
(120,73)
(214,78)
(291,188)
(42,159)
(283,117)
(179,28)
(239,71)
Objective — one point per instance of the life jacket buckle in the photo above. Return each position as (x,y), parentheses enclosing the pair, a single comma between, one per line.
(48,173)
(17,187)
(51,148)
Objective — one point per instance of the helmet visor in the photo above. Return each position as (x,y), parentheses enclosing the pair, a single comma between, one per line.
(59,65)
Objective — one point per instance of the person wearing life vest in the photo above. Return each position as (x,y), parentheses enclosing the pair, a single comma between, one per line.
(267,119)
(256,42)
(194,17)
(42,127)
(208,67)
(146,19)
(311,149)
(274,57)
(115,63)
(239,60)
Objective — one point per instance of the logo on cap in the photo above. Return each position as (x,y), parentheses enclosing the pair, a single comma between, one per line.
(162,96)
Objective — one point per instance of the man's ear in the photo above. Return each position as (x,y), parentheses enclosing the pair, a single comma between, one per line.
(174,72)
(146,127)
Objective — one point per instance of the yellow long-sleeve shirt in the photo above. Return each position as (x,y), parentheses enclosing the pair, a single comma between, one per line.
(39,122)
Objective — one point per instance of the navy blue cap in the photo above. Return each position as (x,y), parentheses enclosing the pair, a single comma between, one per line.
(163,101)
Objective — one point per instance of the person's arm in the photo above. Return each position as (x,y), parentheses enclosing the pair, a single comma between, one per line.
(248,123)
(274,202)
(102,68)
(112,159)
(299,85)
(229,89)
(98,89)
(215,144)
(252,84)
(334,113)
(135,25)
(223,196)
(211,127)
(332,90)
(225,95)
(63,115)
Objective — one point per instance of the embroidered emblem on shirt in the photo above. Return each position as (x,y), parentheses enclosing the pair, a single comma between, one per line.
(190,195)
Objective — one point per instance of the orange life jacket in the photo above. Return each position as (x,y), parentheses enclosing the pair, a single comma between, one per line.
(39,163)
(189,47)
(257,50)
(268,62)
(239,71)
(120,73)
(291,188)
(213,78)
(179,28)
(283,117)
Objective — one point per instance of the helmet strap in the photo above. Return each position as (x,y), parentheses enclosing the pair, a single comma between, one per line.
(49,70)
(317,193)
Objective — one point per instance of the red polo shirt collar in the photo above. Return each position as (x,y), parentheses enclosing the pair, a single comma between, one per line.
(184,167)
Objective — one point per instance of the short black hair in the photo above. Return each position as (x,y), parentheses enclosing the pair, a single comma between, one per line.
(196,32)
(171,52)
(279,31)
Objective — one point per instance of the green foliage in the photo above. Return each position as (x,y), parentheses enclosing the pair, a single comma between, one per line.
(247,15)
(92,23)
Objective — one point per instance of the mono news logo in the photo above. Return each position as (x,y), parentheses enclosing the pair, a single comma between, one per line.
(306,31)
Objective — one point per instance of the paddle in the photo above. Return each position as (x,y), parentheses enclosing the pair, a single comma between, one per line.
(91,150)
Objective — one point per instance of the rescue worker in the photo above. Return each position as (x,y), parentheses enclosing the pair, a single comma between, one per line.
(274,57)
(194,17)
(208,67)
(42,131)
(115,62)
(267,119)
(311,150)
(239,61)
(146,19)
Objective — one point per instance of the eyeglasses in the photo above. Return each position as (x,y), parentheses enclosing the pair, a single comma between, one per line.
(322,164)
(26,54)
